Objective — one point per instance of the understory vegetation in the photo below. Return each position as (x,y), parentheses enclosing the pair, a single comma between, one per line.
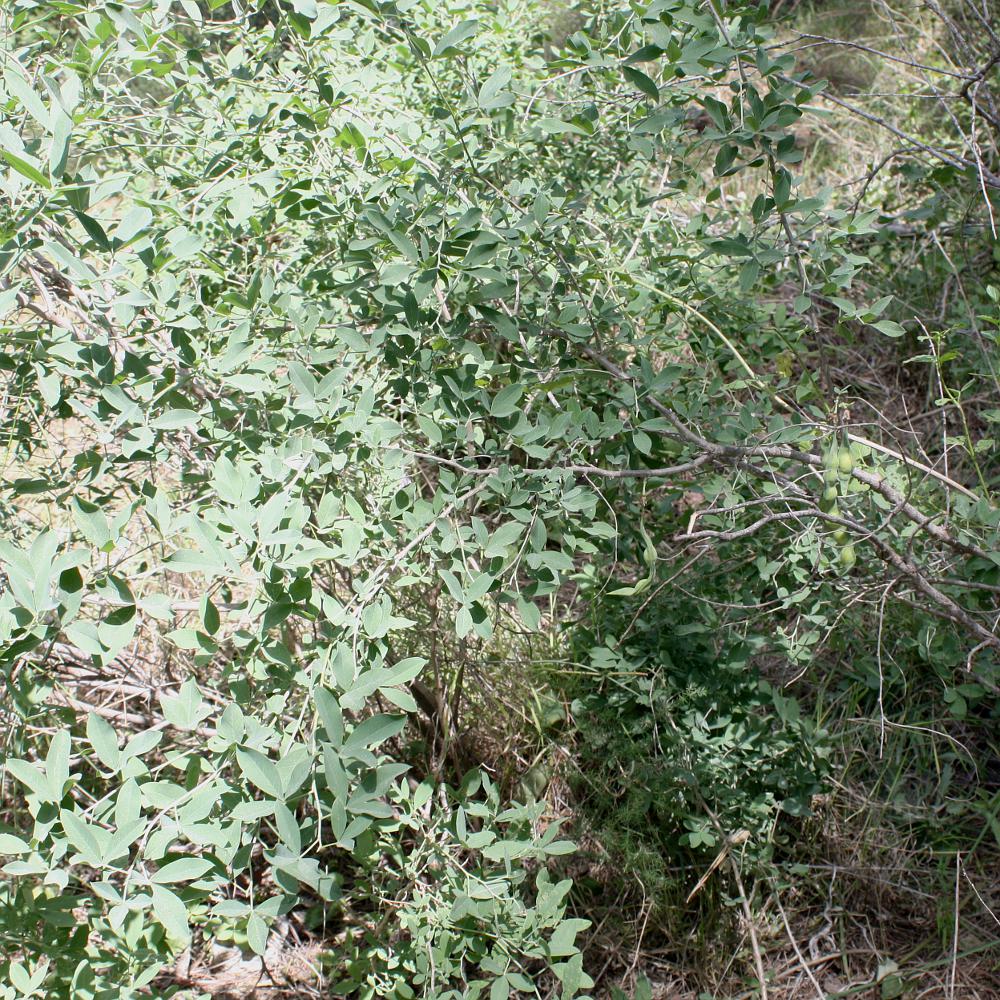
(499,498)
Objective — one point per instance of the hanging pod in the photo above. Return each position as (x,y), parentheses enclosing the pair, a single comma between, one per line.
(847,556)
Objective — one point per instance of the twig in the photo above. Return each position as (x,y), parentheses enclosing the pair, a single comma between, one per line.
(751,929)
(981,75)
(820,992)
(825,40)
(986,176)
(954,940)
(584,470)
(740,837)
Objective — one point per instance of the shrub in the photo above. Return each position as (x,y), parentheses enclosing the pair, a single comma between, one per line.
(681,746)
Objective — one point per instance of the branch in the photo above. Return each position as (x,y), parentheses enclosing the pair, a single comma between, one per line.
(987,177)
(727,453)
(583,470)
(981,75)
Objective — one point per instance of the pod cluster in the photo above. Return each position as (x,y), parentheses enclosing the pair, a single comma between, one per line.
(838,464)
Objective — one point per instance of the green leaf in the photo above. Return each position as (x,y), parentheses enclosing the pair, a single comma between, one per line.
(330,715)
(505,536)
(556,126)
(27,97)
(210,615)
(91,521)
(259,770)
(257,934)
(493,84)
(128,804)
(116,631)
(104,741)
(135,220)
(62,128)
(82,835)
(182,870)
(405,245)
(457,35)
(646,54)
(186,710)
(94,230)
(374,731)
(641,82)
(9,844)
(26,168)
(889,328)
(170,911)
(172,420)
(293,769)
(572,976)
(57,764)
(31,776)
(403,672)
(183,243)
(505,401)
(561,943)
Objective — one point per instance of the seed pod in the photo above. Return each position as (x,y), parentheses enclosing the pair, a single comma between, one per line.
(830,494)
(831,477)
(847,556)
(846,461)
(840,536)
(649,549)
(831,459)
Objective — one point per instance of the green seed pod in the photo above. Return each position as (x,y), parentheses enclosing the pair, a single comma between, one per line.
(840,536)
(846,461)
(831,477)
(847,556)
(828,503)
(649,549)
(830,494)
(831,459)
